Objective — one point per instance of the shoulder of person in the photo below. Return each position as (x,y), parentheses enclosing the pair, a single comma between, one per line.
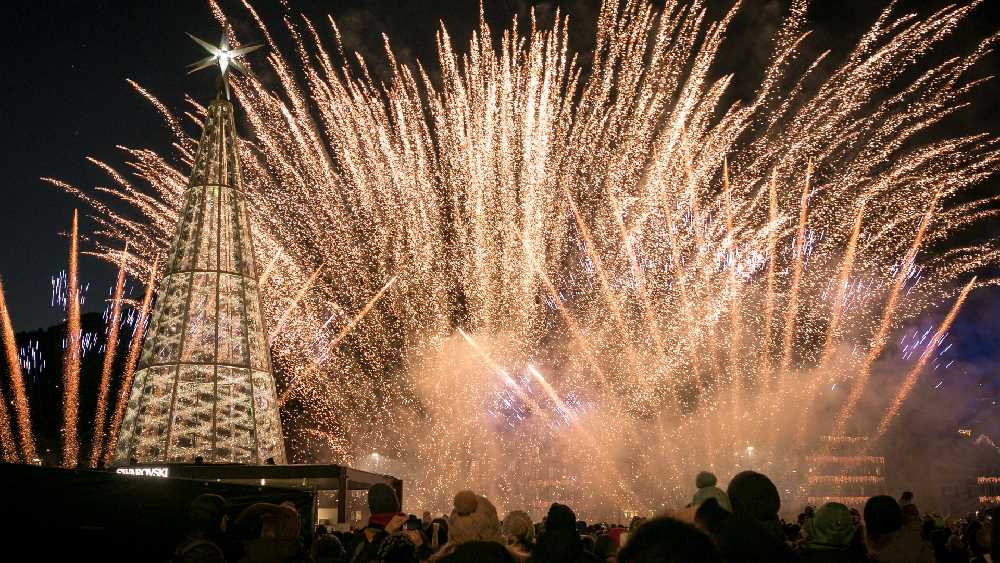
(199,551)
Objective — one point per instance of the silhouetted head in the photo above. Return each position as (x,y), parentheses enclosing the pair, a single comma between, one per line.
(666,540)
(882,516)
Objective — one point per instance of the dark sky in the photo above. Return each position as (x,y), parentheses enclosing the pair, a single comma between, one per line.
(63,94)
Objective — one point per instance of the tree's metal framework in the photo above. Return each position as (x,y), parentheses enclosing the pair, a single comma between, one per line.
(204,385)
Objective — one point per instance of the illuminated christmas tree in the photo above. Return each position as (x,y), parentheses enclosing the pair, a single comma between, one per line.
(204,386)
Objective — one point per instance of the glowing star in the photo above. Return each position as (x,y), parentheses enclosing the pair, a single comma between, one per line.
(225,57)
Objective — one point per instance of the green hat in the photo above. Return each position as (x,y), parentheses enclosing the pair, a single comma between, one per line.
(831,527)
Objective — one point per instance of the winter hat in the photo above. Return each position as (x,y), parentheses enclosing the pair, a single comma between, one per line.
(264,519)
(560,517)
(882,515)
(831,528)
(207,511)
(707,492)
(517,526)
(754,494)
(382,499)
(705,479)
(473,519)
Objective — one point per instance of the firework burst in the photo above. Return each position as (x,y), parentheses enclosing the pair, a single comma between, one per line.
(680,270)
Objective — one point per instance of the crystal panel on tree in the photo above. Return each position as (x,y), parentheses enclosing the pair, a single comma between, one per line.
(204,386)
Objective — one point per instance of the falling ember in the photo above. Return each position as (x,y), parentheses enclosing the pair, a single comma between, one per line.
(616,222)
(21,407)
(110,350)
(291,307)
(911,377)
(128,372)
(71,357)
(340,335)
(888,314)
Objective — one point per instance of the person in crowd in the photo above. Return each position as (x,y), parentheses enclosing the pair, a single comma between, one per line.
(479,552)
(427,519)
(270,533)
(207,522)
(605,548)
(905,498)
(519,531)
(666,540)
(889,541)
(706,484)
(752,533)
(438,534)
(385,519)
(473,519)
(616,533)
(326,548)
(980,538)
(560,542)
(829,537)
(398,547)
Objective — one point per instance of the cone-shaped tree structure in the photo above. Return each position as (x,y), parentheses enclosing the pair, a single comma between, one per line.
(204,385)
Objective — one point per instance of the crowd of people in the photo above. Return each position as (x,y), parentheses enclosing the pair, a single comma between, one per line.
(738,525)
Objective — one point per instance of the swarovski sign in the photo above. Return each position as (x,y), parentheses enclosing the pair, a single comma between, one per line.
(144,471)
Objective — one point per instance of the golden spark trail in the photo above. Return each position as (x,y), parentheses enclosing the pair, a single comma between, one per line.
(764,377)
(6,435)
(22,409)
(798,257)
(7,443)
(110,351)
(267,269)
(791,312)
(735,373)
(340,335)
(295,301)
(570,321)
(131,360)
(71,357)
(911,378)
(836,313)
(882,334)
(602,276)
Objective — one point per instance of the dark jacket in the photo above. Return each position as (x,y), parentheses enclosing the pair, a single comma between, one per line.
(831,556)
(561,546)
(198,550)
(741,538)
(364,547)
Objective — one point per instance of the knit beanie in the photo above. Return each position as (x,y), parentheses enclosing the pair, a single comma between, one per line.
(474,518)
(517,526)
(382,499)
(882,515)
(705,479)
(831,528)
(754,494)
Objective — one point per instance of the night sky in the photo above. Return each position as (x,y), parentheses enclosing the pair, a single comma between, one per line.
(63,97)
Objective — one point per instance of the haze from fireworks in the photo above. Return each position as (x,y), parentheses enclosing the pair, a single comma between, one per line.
(594,272)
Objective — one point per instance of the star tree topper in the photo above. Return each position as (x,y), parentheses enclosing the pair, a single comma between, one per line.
(224,56)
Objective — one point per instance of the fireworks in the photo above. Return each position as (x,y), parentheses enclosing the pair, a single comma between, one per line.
(681,271)
(128,373)
(111,348)
(71,356)
(21,407)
